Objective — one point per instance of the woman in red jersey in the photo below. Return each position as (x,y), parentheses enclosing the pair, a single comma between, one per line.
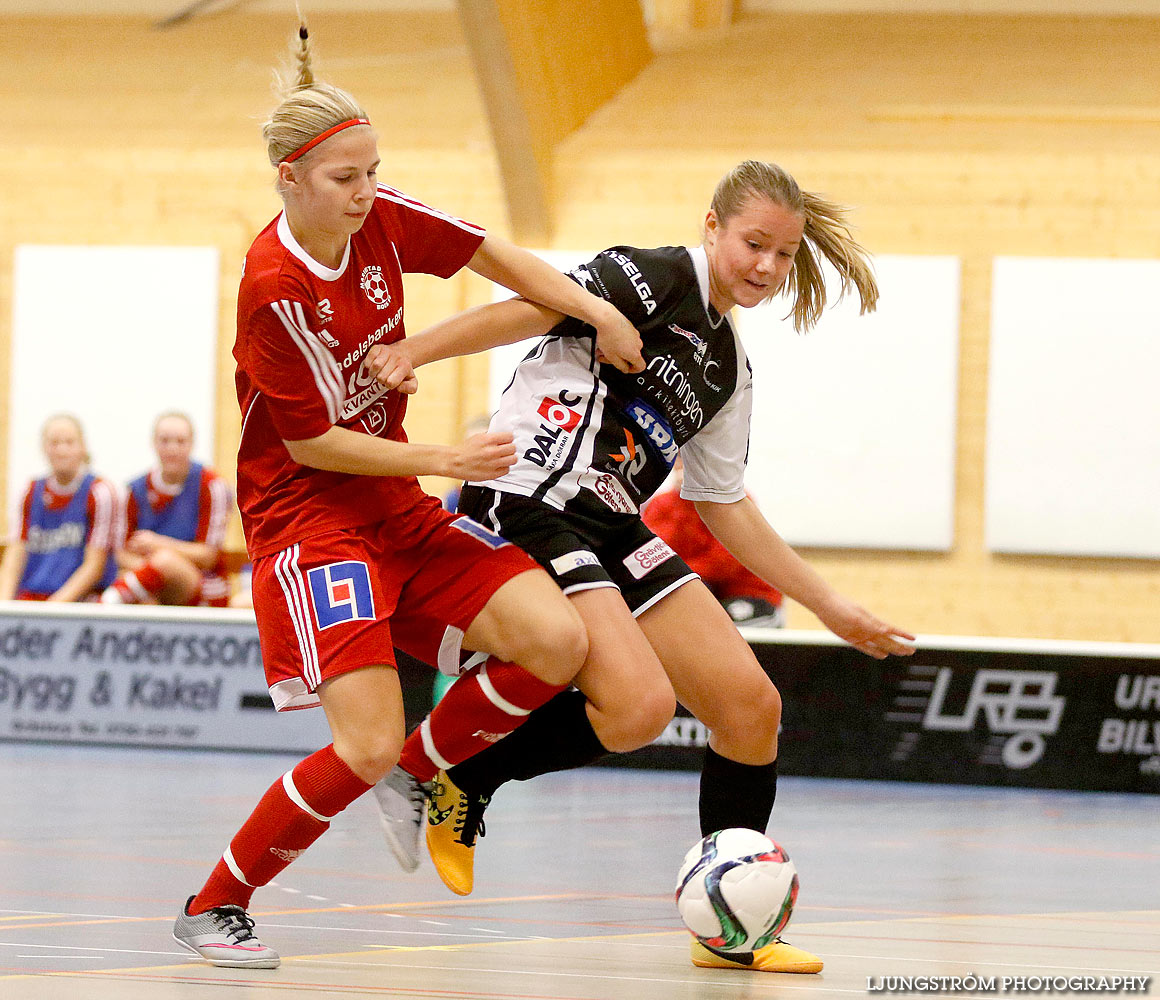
(350,557)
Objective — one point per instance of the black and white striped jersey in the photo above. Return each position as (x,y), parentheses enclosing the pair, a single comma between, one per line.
(591,438)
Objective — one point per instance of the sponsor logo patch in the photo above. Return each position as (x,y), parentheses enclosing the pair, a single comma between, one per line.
(557,421)
(574,560)
(608,488)
(557,414)
(648,557)
(341,592)
(655,427)
(699,345)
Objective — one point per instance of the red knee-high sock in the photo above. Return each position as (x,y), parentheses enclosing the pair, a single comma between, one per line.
(295,811)
(479,709)
(138,586)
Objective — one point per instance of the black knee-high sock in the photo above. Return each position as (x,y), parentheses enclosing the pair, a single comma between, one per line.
(735,794)
(557,736)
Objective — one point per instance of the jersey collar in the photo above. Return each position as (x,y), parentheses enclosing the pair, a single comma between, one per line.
(701,266)
(159,485)
(319,270)
(69,488)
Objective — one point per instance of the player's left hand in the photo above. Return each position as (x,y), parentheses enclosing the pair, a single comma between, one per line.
(143,543)
(864,632)
(389,364)
(618,343)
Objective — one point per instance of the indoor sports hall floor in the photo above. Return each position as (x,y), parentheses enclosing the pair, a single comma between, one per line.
(573,891)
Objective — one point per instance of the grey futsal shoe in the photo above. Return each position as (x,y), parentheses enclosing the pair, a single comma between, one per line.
(402,801)
(223,936)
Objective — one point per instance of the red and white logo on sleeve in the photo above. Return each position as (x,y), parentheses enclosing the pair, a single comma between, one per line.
(557,414)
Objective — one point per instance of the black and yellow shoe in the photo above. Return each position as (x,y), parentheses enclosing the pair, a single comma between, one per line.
(454,822)
(774,957)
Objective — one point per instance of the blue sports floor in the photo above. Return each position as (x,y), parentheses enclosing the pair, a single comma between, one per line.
(574,884)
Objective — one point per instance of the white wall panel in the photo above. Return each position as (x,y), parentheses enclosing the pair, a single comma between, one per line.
(114,335)
(1073,463)
(853,439)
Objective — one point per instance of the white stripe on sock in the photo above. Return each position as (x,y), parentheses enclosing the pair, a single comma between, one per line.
(497,699)
(232,865)
(298,800)
(134,585)
(429,746)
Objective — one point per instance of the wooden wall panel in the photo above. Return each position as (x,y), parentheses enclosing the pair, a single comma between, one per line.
(965,136)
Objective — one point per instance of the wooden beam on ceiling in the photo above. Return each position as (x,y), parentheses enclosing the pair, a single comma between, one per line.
(679,17)
(544,68)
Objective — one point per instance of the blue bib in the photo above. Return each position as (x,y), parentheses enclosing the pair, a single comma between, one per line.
(56,541)
(178,518)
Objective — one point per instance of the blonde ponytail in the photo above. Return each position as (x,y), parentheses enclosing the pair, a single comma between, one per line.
(826,235)
(308,107)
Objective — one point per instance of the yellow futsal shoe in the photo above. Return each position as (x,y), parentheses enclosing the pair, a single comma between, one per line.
(454,821)
(775,957)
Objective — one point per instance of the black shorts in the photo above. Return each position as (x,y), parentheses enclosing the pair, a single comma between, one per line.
(583,553)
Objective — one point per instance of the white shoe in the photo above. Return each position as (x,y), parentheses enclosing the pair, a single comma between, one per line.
(223,936)
(402,802)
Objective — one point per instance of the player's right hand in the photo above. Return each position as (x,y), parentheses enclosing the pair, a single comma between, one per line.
(482,457)
(618,343)
(865,632)
(389,364)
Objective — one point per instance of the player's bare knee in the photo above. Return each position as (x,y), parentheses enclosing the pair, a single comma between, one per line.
(370,756)
(751,725)
(638,720)
(768,709)
(167,562)
(556,648)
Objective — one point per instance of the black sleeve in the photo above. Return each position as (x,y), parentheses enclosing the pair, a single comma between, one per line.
(637,282)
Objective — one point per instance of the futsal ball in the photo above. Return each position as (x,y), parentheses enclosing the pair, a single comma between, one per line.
(736,890)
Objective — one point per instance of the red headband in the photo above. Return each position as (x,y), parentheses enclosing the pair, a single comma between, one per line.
(302,150)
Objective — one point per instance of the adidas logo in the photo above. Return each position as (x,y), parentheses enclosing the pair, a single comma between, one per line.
(286,855)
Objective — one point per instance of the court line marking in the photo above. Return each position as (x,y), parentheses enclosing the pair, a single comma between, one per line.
(818,929)
(367,907)
(977,965)
(144,969)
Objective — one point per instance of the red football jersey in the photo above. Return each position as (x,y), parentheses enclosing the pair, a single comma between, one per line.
(303,334)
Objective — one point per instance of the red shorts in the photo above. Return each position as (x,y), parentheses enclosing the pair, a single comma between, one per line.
(344,599)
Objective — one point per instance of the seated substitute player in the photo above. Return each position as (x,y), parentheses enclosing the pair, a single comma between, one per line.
(747,598)
(350,557)
(175,519)
(593,443)
(64,552)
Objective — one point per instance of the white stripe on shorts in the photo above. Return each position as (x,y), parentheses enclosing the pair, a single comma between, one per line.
(293,587)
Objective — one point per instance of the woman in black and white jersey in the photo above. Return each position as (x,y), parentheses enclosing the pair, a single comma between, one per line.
(593,443)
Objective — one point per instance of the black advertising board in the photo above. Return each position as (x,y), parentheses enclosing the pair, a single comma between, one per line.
(969,711)
(1050,714)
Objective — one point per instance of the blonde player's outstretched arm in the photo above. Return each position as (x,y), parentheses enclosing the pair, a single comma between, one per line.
(743,530)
